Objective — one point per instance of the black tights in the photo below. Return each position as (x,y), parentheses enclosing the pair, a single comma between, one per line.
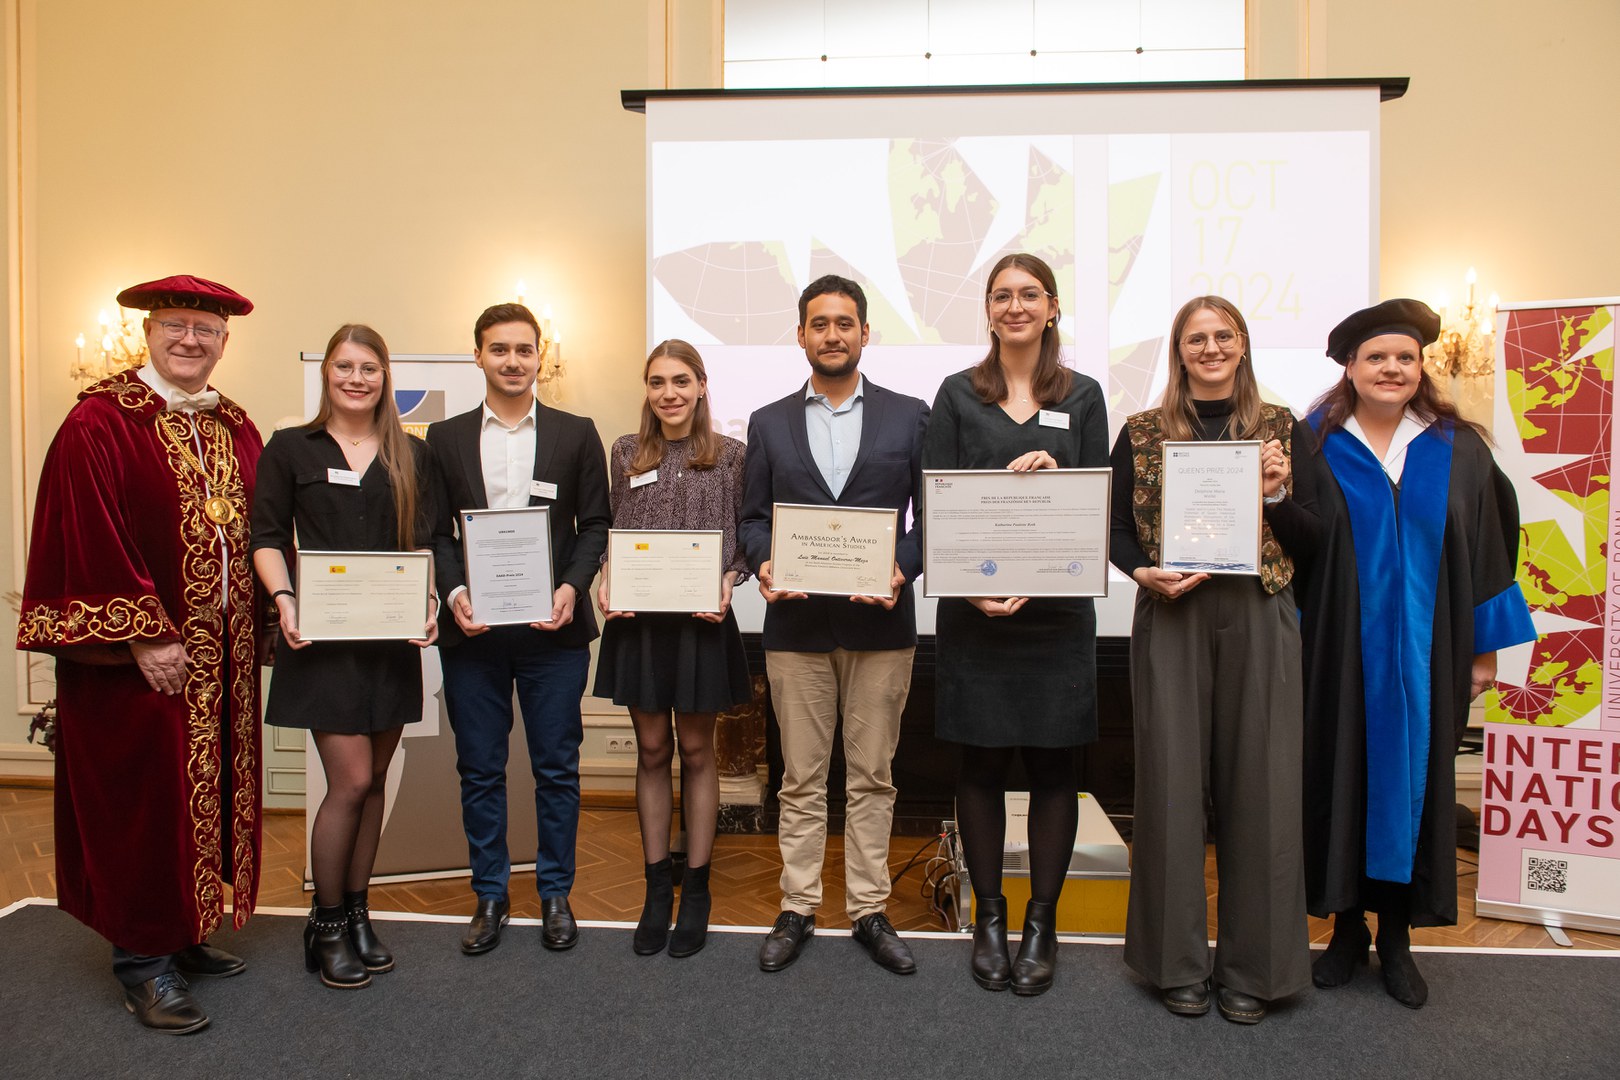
(343,841)
(981,816)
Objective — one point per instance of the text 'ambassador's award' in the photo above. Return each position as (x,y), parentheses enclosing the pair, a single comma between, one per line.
(507,554)
(363,595)
(994,532)
(832,550)
(1211,509)
(674,570)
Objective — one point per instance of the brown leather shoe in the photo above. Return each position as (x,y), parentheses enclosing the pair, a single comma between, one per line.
(165,1005)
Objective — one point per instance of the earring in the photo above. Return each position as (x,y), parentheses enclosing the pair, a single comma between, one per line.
(1051,323)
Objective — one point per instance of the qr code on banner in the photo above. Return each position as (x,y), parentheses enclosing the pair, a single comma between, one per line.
(1547,875)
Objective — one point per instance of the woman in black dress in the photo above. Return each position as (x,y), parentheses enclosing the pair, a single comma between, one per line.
(675,670)
(349,480)
(1017,676)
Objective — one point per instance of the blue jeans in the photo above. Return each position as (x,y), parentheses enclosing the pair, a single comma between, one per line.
(479,675)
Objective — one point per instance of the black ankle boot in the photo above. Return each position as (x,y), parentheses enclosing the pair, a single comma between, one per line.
(372,953)
(652,932)
(692,924)
(1037,953)
(327,948)
(1348,949)
(1402,980)
(992,969)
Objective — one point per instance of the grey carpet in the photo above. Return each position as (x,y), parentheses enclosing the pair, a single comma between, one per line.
(599,1010)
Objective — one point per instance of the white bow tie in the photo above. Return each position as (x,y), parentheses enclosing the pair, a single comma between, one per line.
(180,401)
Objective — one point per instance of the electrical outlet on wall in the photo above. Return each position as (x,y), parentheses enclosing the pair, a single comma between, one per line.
(621,744)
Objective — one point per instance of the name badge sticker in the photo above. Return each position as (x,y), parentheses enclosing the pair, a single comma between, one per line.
(644,479)
(542,490)
(346,477)
(1052,418)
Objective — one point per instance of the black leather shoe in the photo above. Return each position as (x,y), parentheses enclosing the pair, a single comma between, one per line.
(489,919)
(165,1005)
(558,930)
(211,963)
(785,941)
(992,966)
(876,933)
(1346,952)
(372,952)
(1192,1000)
(1037,953)
(1238,1007)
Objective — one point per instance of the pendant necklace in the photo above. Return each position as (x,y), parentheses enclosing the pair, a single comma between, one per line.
(217,508)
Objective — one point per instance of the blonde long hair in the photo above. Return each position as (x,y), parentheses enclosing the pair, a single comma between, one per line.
(1177,413)
(393,444)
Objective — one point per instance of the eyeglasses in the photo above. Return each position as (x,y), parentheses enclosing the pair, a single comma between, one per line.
(205,335)
(1027,298)
(345,368)
(1197,343)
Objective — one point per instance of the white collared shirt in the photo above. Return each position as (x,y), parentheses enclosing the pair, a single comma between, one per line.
(1394,461)
(506,457)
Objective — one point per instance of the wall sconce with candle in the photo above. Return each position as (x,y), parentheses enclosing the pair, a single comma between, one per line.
(119,348)
(549,382)
(1463,359)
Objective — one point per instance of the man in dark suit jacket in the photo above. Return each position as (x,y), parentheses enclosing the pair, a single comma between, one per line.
(512,451)
(838,441)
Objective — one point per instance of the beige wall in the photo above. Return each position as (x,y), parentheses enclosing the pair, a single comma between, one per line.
(405,162)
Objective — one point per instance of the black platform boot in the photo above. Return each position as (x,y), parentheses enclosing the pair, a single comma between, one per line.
(692,924)
(652,931)
(327,949)
(1348,949)
(372,953)
(1037,953)
(992,967)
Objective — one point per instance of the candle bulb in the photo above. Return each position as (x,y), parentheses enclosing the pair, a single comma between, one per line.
(521,289)
(1471,279)
(545,323)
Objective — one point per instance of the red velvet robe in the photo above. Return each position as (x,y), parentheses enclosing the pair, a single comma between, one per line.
(122,551)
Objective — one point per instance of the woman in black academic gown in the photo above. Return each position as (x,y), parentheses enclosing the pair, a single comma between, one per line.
(1407,601)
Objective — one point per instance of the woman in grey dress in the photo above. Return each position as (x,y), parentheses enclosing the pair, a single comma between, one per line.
(1017,676)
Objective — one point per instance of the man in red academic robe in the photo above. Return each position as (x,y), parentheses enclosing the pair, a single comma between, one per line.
(139,583)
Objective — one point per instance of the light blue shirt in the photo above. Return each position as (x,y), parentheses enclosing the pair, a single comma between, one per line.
(835,434)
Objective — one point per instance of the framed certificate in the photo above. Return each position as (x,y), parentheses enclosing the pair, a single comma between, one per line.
(1210,506)
(507,554)
(664,570)
(993,532)
(833,550)
(363,595)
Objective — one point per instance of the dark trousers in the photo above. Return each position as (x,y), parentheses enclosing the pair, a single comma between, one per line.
(132,969)
(479,677)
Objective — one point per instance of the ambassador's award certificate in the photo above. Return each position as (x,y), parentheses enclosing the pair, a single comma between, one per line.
(508,558)
(664,570)
(363,595)
(832,550)
(1211,507)
(994,532)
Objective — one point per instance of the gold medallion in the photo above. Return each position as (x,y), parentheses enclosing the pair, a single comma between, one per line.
(219,510)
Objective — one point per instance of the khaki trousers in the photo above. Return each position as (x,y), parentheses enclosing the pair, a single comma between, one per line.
(809,691)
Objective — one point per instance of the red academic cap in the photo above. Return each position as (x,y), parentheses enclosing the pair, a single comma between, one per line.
(185,291)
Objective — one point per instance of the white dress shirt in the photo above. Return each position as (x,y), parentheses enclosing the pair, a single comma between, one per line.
(506,456)
(1394,459)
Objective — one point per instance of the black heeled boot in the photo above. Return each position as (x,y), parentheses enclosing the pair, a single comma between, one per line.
(1037,954)
(992,967)
(652,931)
(327,949)
(1348,949)
(692,923)
(372,952)
(1402,980)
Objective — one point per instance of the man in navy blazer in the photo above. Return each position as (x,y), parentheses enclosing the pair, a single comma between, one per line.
(511,452)
(838,441)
